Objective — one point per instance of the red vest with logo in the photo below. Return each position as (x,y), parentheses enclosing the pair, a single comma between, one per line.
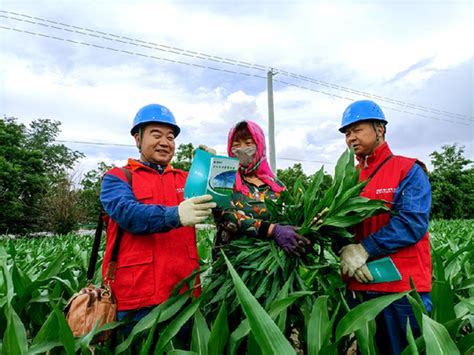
(414,260)
(150,266)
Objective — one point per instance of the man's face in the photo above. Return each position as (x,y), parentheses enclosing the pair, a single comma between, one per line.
(363,137)
(157,143)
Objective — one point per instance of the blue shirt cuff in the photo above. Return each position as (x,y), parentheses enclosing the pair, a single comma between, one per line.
(172,217)
(372,248)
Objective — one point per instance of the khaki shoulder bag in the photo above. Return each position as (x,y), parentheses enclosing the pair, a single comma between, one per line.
(94,304)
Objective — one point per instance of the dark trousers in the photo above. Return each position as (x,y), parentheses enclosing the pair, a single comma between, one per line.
(391,323)
(183,337)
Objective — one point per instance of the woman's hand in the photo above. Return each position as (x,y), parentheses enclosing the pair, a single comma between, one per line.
(286,238)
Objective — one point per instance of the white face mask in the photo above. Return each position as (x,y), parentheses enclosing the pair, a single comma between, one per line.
(245,155)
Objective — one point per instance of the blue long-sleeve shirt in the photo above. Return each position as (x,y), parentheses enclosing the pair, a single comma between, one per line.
(121,205)
(409,216)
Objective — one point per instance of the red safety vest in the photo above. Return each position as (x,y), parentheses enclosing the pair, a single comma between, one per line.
(150,266)
(414,260)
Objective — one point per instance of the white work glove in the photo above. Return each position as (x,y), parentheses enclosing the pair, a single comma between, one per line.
(207,149)
(195,210)
(353,256)
(363,274)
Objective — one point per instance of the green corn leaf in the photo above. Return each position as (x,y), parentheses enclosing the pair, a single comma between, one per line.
(467,284)
(14,339)
(145,347)
(281,318)
(53,268)
(48,331)
(352,191)
(312,194)
(466,344)
(364,312)
(418,308)
(438,267)
(143,324)
(453,326)
(172,329)
(443,302)
(437,339)
(365,338)
(269,337)
(252,345)
(343,222)
(238,335)
(158,314)
(64,332)
(172,306)
(467,248)
(468,302)
(219,332)
(9,290)
(44,346)
(200,335)
(411,348)
(275,310)
(21,281)
(318,326)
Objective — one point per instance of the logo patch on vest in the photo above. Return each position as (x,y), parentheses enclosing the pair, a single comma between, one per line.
(385,190)
(180,190)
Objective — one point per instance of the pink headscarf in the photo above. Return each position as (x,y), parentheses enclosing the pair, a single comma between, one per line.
(259,164)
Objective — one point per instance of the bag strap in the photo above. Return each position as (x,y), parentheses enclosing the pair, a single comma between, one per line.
(381,164)
(110,275)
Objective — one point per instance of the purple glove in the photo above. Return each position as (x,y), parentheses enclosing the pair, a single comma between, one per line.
(291,242)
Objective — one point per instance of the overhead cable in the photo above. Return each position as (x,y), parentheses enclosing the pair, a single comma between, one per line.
(227,61)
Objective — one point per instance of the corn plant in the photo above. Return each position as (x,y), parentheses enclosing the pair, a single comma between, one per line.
(323,214)
(307,314)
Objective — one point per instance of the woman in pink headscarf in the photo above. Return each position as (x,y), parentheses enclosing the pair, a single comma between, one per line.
(248,215)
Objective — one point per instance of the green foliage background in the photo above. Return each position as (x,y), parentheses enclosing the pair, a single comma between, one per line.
(38,275)
(33,169)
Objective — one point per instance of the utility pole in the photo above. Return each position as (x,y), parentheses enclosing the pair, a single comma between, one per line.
(271,120)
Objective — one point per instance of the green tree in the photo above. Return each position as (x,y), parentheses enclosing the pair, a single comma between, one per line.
(452,184)
(289,176)
(62,210)
(30,165)
(183,157)
(90,192)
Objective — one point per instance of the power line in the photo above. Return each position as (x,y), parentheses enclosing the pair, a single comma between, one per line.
(383,106)
(128,52)
(306,160)
(132,41)
(97,143)
(402,104)
(178,51)
(217,69)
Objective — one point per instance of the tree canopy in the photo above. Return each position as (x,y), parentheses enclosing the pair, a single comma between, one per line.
(31,164)
(452,184)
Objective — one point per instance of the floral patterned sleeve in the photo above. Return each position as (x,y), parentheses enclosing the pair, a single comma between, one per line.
(247,212)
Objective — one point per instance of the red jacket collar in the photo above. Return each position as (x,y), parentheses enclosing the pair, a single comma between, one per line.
(380,154)
(135,165)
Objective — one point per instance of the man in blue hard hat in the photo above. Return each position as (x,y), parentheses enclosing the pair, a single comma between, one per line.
(401,234)
(158,245)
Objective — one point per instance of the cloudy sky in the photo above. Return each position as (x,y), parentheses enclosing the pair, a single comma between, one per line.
(93,64)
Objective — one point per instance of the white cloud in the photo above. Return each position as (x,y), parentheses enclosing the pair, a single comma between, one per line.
(414,53)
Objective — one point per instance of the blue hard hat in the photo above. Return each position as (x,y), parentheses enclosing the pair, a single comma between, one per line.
(154,113)
(361,111)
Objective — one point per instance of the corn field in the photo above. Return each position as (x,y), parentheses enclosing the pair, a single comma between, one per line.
(39,275)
